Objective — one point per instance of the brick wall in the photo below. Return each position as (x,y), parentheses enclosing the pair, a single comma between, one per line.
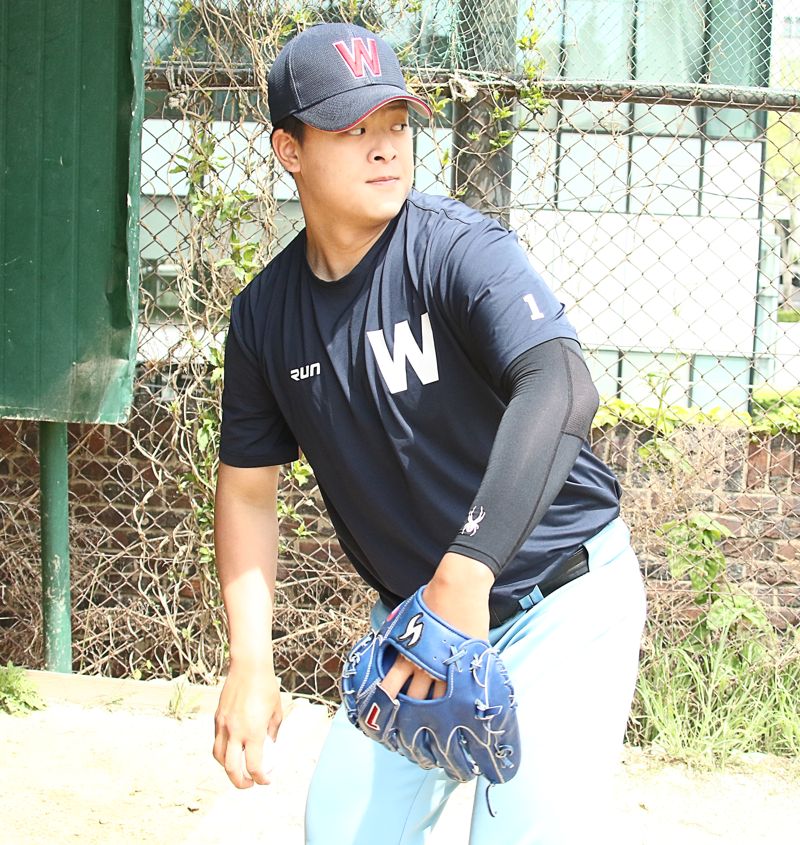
(125,505)
(748,484)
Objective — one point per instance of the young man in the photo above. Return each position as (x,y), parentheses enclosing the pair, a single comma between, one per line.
(435,385)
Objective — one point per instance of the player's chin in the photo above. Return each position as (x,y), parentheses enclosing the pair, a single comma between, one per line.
(385,202)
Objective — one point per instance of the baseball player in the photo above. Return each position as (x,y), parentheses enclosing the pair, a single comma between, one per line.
(406,345)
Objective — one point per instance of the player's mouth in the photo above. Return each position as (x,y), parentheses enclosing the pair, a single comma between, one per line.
(384,180)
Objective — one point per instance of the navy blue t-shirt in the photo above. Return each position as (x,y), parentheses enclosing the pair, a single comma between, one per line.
(389,380)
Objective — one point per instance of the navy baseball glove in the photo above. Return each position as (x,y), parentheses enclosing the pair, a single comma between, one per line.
(472,730)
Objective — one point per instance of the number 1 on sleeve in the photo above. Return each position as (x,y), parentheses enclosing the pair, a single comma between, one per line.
(536,314)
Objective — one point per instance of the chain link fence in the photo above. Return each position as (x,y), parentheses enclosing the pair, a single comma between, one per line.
(647,154)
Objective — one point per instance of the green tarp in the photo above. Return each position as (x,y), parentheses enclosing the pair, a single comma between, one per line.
(70,136)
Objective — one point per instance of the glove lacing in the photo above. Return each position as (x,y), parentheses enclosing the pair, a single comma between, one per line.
(487,712)
(455,655)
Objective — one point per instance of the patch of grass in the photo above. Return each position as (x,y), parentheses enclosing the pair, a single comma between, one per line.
(725,684)
(788,314)
(17,693)
(182,704)
(707,702)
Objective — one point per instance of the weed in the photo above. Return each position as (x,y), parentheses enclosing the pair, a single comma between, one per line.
(725,685)
(181,704)
(706,705)
(17,693)
(692,551)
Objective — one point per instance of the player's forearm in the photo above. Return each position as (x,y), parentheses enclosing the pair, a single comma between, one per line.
(550,410)
(246,543)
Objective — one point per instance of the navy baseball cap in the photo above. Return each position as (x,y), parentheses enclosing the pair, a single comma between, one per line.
(333,75)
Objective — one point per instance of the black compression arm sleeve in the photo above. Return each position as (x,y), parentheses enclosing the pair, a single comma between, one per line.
(549,413)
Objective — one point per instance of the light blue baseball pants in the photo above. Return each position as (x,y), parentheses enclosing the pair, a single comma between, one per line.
(573,660)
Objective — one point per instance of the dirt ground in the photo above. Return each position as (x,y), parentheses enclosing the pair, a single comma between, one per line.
(109,766)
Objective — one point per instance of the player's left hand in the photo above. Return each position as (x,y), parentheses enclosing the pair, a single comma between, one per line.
(459,593)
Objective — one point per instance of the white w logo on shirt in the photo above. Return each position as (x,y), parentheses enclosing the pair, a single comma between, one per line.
(393,367)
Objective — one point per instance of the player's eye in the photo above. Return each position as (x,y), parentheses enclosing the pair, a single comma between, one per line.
(399,127)
(359,130)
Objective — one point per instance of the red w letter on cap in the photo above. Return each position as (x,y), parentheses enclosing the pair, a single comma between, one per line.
(359,55)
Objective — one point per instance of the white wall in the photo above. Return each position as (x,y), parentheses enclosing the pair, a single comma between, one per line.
(658,281)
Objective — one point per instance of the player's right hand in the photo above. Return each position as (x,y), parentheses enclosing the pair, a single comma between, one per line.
(249,710)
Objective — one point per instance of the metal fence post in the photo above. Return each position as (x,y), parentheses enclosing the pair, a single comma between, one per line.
(56,604)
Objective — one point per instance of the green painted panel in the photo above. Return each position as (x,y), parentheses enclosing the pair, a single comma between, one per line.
(71,92)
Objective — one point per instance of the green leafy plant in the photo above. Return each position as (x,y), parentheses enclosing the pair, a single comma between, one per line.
(775,411)
(438,101)
(213,205)
(17,693)
(614,411)
(727,685)
(779,417)
(692,549)
(298,472)
(505,121)
(220,215)
(788,315)
(200,481)
(767,399)
(659,453)
(533,65)
(143,671)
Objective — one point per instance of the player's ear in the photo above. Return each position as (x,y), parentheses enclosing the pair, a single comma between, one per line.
(286,149)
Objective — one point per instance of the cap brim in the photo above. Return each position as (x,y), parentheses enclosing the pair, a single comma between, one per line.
(345,110)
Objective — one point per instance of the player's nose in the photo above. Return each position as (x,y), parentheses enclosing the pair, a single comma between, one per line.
(383,150)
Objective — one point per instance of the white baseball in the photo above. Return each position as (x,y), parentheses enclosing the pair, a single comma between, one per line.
(268,754)
(267,757)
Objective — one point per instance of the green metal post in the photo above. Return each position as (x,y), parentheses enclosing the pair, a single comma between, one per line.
(56,604)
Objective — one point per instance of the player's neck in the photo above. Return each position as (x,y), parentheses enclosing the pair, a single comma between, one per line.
(333,251)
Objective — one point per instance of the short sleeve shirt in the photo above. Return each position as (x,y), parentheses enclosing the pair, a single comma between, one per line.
(389,381)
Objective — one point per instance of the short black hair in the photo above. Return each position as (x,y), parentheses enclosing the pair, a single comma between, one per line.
(291,125)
